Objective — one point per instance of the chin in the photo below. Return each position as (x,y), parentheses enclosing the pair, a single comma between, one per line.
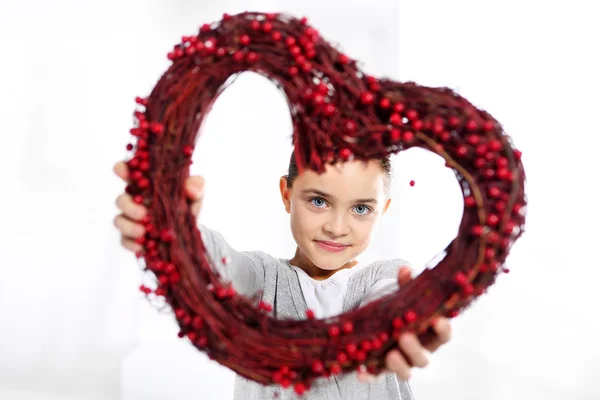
(330,262)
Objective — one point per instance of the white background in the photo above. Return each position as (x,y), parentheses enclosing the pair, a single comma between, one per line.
(72,324)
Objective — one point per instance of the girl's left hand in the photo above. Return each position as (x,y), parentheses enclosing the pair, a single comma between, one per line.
(413,353)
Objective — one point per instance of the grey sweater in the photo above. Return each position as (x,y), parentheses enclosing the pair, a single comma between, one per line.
(253,271)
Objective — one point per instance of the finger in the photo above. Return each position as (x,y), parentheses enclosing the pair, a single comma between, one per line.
(443,332)
(413,350)
(398,364)
(405,275)
(128,228)
(196,207)
(131,245)
(194,187)
(121,170)
(130,209)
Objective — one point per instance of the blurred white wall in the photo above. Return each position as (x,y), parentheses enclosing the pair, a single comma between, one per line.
(72,324)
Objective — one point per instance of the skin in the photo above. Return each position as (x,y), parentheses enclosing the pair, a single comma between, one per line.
(343,205)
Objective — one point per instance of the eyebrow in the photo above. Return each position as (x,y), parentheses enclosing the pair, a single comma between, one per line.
(323,194)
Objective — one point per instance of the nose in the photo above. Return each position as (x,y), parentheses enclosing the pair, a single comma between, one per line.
(336,225)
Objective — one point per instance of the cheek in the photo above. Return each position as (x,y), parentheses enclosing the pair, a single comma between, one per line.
(365,230)
(302,220)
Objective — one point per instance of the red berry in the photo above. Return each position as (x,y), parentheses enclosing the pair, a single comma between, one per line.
(517,208)
(454,121)
(342,357)
(477,230)
(347,327)
(361,356)
(468,289)
(412,115)
(518,154)
(345,153)
(399,107)
(245,40)
(197,323)
(267,27)
(488,126)
(238,56)
(397,323)
(335,369)
(367,98)
(299,388)
(473,139)
(167,235)
(395,135)
(396,119)
(310,314)
(170,268)
(495,145)
(334,331)
(251,57)
(494,192)
(384,103)
(460,278)
(471,125)
(408,136)
(410,316)
(317,367)
(163,280)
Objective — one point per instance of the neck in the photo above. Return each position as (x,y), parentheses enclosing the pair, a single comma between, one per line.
(301,261)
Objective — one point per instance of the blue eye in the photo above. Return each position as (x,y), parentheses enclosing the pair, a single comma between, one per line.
(362,209)
(317,202)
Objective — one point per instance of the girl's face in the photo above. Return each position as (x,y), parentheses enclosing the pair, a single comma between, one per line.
(333,215)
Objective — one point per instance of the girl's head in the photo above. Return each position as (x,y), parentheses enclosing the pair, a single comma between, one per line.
(333,215)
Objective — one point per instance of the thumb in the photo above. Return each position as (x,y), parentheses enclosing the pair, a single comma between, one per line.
(405,275)
(122,170)
(194,187)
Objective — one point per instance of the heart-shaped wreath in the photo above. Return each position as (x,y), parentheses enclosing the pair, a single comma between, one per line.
(338,113)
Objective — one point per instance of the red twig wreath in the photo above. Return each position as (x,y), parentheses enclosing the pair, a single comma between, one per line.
(338,113)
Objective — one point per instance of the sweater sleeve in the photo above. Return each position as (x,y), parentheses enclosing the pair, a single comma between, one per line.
(384,280)
(245,270)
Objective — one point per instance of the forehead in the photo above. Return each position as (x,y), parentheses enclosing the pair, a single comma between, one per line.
(350,179)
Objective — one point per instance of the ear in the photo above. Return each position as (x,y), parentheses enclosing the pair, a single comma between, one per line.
(386,205)
(286,193)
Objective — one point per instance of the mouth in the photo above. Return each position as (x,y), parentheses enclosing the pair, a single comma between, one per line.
(331,246)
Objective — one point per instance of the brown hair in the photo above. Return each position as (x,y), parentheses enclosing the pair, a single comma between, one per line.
(385,163)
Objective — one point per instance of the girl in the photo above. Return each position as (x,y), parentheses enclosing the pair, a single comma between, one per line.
(333,216)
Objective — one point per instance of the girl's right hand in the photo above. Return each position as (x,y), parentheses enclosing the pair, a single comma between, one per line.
(129,222)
